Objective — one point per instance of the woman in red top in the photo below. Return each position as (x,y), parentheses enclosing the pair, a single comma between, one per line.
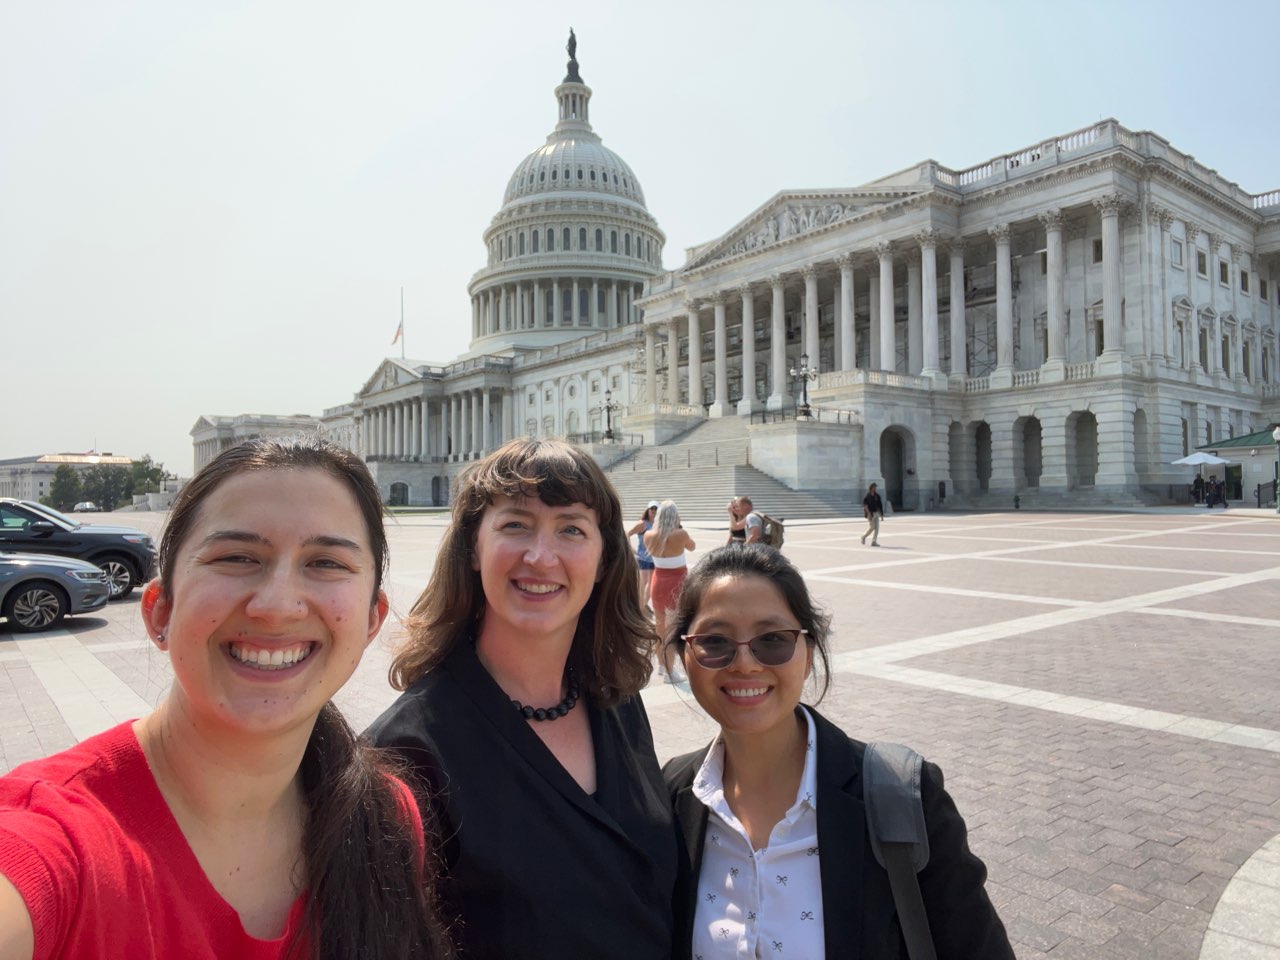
(240,818)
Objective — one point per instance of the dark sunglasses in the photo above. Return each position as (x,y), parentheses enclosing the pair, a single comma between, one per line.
(715,651)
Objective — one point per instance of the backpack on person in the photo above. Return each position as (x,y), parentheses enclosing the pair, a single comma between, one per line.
(771,531)
(899,835)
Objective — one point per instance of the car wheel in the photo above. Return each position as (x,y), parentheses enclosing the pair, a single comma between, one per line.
(120,578)
(35,606)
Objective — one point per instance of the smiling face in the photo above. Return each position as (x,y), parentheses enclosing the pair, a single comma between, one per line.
(538,565)
(746,698)
(271,600)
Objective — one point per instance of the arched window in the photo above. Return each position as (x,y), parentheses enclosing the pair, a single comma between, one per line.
(599,240)
(551,239)
(542,177)
(626,244)
(613,241)
(579,173)
(582,238)
(593,176)
(536,234)
(568,239)
(567,173)
(553,174)
(521,243)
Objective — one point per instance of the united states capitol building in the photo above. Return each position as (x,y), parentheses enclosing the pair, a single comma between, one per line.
(1060,323)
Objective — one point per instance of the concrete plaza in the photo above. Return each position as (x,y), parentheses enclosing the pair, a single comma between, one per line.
(1101,690)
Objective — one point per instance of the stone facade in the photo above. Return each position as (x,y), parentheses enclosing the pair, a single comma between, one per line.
(1067,319)
(30,478)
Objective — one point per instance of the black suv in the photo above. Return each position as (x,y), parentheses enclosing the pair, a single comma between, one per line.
(126,555)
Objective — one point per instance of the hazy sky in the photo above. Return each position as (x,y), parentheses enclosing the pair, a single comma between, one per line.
(211,207)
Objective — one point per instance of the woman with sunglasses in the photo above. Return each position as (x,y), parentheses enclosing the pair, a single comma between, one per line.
(772,810)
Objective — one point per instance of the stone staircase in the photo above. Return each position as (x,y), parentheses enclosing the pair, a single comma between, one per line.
(1031,498)
(705,466)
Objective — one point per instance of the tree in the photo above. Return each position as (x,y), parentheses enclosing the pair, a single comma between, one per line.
(106,485)
(65,492)
(146,475)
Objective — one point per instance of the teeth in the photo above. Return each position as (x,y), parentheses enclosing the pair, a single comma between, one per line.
(539,587)
(751,692)
(269,659)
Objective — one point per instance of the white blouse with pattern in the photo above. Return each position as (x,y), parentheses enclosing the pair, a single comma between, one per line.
(755,904)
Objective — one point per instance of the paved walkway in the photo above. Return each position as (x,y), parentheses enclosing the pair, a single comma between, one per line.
(1100,689)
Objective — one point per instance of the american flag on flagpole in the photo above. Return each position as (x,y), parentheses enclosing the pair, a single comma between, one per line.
(399,333)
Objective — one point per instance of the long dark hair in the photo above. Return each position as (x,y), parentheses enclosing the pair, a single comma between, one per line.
(611,647)
(754,560)
(369,884)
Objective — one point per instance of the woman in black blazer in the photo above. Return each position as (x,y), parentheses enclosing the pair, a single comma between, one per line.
(520,714)
(772,810)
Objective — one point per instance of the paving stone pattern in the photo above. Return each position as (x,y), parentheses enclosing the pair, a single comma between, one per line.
(1099,689)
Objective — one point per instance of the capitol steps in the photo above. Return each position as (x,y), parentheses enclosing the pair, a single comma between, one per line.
(701,493)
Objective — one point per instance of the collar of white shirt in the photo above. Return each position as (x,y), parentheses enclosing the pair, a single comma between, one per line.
(708,784)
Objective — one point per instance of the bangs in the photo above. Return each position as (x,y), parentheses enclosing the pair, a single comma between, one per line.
(551,471)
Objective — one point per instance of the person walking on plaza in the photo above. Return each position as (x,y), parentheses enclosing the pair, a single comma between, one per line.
(745,525)
(873,510)
(667,543)
(643,560)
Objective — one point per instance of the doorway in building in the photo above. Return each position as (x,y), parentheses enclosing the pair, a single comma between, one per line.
(435,492)
(1234,483)
(1082,449)
(399,495)
(1028,451)
(982,454)
(898,467)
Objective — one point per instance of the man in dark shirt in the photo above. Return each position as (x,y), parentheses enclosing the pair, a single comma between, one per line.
(873,510)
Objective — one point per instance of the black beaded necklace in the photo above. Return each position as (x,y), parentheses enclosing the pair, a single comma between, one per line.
(551,713)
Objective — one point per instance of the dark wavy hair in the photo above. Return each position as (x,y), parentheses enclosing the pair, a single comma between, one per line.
(610,652)
(754,560)
(370,889)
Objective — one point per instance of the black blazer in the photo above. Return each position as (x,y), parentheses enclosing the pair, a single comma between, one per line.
(534,866)
(859,917)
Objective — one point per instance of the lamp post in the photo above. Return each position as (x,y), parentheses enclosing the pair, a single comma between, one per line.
(804,373)
(608,405)
(1275,435)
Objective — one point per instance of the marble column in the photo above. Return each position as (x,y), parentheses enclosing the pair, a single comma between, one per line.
(476,424)
(810,274)
(455,427)
(412,424)
(720,347)
(575,316)
(778,346)
(873,317)
(557,305)
(1112,330)
(695,355)
(673,361)
(486,427)
(464,425)
(613,308)
(888,344)
(848,345)
(915,334)
(1055,321)
(929,297)
(594,312)
(959,337)
(1004,306)
(747,403)
(650,364)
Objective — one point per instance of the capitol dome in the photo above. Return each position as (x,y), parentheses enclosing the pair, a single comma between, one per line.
(573,242)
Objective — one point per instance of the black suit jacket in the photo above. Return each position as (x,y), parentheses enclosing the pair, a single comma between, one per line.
(534,866)
(860,920)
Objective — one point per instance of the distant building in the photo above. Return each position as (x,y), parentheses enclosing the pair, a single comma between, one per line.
(30,478)
(1061,322)
(211,435)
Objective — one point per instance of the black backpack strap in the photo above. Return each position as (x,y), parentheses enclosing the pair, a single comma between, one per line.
(899,836)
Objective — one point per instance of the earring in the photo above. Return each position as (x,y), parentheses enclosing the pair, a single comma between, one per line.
(160,640)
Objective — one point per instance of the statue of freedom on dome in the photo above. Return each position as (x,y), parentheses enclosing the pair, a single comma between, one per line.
(572,46)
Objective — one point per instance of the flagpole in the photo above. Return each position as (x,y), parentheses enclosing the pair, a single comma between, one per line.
(402,322)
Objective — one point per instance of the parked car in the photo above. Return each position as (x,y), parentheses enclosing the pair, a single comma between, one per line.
(85,506)
(126,555)
(37,591)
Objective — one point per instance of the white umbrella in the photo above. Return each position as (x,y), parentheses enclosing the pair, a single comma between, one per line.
(1199,459)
